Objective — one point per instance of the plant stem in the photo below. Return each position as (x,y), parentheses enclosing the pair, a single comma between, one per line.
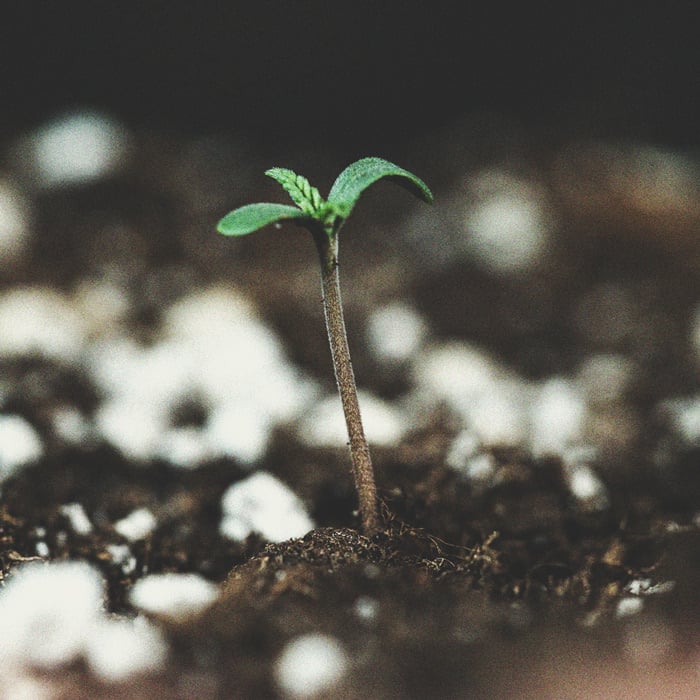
(337,337)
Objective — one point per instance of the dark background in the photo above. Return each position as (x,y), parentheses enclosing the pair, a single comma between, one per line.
(356,76)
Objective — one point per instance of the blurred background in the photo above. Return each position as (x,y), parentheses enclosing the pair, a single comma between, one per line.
(356,77)
(558,267)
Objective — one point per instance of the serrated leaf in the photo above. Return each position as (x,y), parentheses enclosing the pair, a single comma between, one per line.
(252,217)
(358,176)
(303,194)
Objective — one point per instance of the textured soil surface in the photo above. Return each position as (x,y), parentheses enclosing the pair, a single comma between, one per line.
(505,582)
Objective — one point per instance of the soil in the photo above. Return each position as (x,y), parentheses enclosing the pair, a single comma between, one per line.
(508,590)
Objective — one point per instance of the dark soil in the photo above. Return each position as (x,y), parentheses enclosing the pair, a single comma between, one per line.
(508,591)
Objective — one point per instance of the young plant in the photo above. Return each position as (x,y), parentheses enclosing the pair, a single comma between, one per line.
(324,219)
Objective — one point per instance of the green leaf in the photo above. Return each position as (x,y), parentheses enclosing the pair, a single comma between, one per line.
(356,178)
(252,217)
(306,197)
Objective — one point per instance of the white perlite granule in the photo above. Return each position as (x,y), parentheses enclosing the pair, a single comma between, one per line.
(47,611)
(310,664)
(117,649)
(77,148)
(262,504)
(173,595)
(19,444)
(38,321)
(78,518)
(137,525)
(324,425)
(395,332)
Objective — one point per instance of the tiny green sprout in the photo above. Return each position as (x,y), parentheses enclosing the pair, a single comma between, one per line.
(324,219)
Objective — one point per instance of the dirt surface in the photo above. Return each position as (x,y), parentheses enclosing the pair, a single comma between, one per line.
(512,587)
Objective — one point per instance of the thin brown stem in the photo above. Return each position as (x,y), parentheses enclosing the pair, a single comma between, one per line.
(345,379)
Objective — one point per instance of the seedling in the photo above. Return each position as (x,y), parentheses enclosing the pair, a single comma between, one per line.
(324,219)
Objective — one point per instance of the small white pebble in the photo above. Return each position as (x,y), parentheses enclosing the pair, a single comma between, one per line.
(455,372)
(324,425)
(464,446)
(71,426)
(19,444)
(138,525)
(42,549)
(366,608)
(499,417)
(683,415)
(491,401)
(480,468)
(78,518)
(395,332)
(47,611)
(236,358)
(38,321)
(133,426)
(77,148)
(173,595)
(629,606)
(644,586)
(119,649)
(184,447)
(263,504)
(309,665)
(587,487)
(638,586)
(238,430)
(557,417)
(507,224)
(121,555)
(26,686)
(466,457)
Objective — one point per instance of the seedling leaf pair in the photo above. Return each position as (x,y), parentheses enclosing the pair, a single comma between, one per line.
(324,219)
(311,209)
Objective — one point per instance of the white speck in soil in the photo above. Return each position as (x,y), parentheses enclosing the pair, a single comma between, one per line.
(366,608)
(558,413)
(310,665)
(77,517)
(38,321)
(628,606)
(395,332)
(262,504)
(118,649)
(48,611)
(508,223)
(324,425)
(121,556)
(584,484)
(138,525)
(173,595)
(19,444)
(77,148)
